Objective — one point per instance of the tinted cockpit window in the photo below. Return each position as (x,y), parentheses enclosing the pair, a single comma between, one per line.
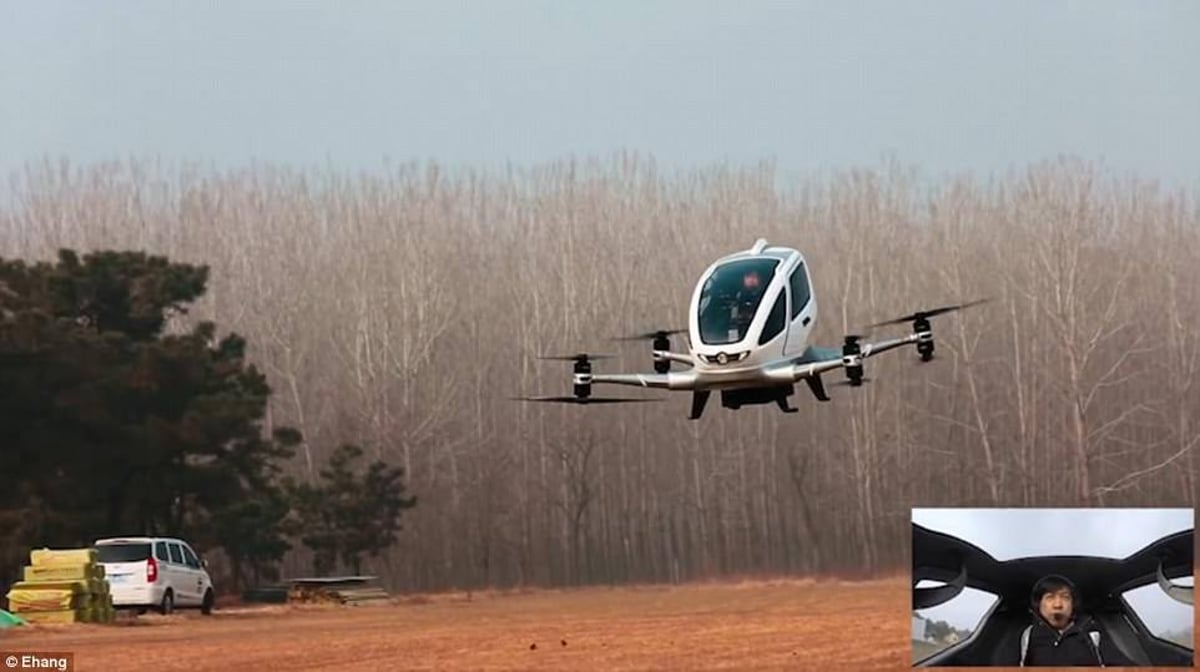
(730,298)
(800,290)
(123,552)
(775,320)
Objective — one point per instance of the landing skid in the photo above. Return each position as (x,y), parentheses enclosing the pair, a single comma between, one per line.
(817,387)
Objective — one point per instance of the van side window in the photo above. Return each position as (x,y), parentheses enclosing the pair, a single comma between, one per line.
(176,555)
(190,558)
(160,551)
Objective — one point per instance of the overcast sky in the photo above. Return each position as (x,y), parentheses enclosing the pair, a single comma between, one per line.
(945,85)
(1014,533)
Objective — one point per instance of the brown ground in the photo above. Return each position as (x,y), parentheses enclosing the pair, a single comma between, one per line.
(787,624)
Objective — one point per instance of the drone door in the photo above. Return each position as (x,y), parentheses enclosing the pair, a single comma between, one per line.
(802,310)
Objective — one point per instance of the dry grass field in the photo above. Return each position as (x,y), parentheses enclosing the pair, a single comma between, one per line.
(761,625)
(753,625)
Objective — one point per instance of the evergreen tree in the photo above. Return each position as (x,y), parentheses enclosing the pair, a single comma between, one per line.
(114,427)
(349,515)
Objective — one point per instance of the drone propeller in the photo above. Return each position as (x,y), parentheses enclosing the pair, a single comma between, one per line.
(846,383)
(926,314)
(585,400)
(577,357)
(651,335)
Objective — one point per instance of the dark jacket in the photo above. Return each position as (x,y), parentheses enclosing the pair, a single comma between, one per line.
(1071,648)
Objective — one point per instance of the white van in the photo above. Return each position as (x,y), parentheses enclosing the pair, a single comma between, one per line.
(162,573)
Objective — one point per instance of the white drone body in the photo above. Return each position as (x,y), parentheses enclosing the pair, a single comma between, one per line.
(750,319)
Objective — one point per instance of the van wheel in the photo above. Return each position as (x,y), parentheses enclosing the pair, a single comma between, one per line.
(168,603)
(206,606)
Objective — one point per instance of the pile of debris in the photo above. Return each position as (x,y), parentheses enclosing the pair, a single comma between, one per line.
(347,590)
(62,586)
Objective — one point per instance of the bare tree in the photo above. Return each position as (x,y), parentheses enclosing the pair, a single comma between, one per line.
(402,309)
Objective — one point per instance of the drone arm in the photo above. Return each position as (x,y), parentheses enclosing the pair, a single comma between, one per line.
(683,380)
(872,349)
(803,370)
(674,357)
(793,373)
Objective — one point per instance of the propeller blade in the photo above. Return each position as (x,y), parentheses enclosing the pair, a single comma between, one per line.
(584,401)
(922,314)
(846,383)
(650,335)
(579,356)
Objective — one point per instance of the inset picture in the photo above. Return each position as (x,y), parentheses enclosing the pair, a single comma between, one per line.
(1052,587)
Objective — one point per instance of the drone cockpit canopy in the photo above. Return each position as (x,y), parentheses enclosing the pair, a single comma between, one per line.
(732,295)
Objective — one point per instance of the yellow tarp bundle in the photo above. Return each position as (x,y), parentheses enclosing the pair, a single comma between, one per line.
(59,616)
(41,557)
(77,572)
(22,601)
(63,586)
(76,587)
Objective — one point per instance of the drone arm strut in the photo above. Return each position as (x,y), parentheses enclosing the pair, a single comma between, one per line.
(796,372)
(682,380)
(793,373)
(660,355)
(872,349)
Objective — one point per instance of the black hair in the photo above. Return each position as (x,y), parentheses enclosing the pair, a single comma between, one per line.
(1051,583)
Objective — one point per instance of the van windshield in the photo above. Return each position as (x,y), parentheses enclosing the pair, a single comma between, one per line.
(123,552)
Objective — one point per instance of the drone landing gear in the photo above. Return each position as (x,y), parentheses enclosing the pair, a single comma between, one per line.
(783,405)
(699,399)
(817,387)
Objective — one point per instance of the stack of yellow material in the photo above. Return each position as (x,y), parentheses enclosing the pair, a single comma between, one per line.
(62,586)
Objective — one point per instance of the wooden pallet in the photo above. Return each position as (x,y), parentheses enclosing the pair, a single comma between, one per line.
(346,590)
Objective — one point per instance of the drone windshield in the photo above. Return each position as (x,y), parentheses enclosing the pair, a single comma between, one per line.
(731,297)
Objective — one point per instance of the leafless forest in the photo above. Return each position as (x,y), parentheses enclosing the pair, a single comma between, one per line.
(401,309)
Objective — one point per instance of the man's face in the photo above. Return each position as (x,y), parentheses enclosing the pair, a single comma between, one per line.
(1056,607)
(750,280)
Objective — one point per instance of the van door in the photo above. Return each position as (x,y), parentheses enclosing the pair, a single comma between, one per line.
(181,579)
(163,559)
(195,572)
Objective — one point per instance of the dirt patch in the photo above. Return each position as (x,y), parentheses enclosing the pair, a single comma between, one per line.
(775,625)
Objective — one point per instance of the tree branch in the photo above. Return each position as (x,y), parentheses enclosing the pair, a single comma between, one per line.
(1129,480)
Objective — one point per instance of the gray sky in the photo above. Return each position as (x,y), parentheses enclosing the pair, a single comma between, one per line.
(1015,533)
(945,85)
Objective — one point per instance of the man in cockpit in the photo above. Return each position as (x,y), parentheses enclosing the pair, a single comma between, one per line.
(745,301)
(1061,635)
